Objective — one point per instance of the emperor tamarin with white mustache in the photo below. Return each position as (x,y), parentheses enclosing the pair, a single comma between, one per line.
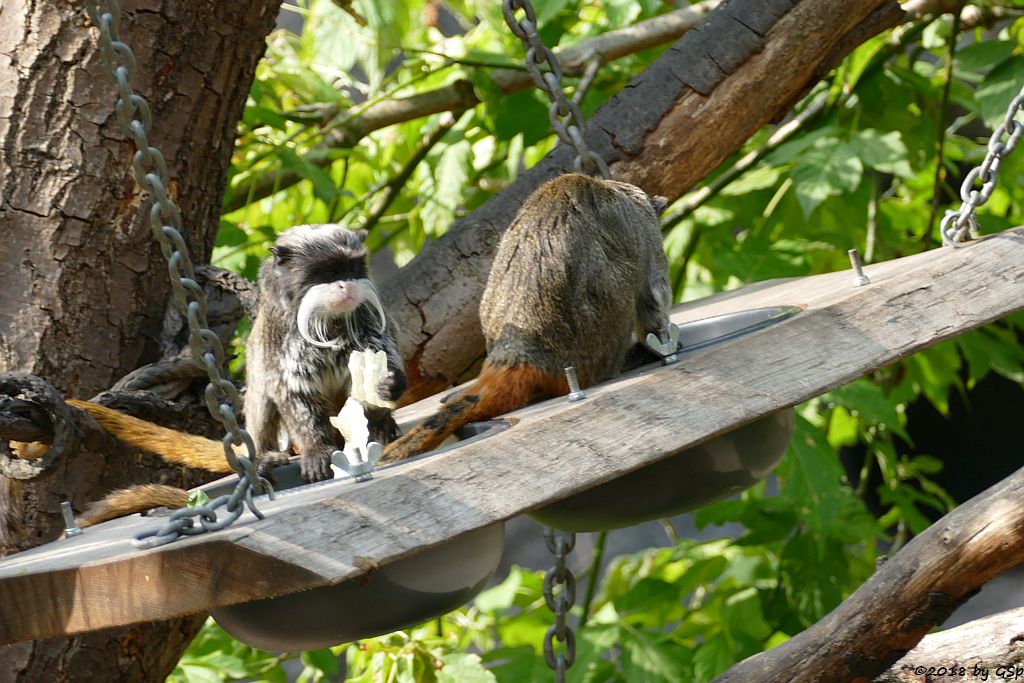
(317,306)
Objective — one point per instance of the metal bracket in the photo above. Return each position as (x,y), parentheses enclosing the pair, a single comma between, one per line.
(667,350)
(361,466)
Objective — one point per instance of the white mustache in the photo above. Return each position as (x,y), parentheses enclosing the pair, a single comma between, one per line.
(313,320)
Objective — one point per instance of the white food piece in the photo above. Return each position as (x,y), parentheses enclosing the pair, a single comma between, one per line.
(367,369)
(351,422)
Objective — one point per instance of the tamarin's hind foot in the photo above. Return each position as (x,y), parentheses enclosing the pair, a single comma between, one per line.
(498,390)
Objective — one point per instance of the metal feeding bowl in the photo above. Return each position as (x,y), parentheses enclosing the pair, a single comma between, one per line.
(698,476)
(396,596)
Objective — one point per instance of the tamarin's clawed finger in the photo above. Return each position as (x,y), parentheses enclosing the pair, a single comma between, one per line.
(577,278)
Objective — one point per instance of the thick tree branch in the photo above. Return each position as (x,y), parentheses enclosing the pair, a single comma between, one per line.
(673,124)
(908,595)
(982,650)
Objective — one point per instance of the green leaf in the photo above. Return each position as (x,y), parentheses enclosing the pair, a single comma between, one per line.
(842,428)
(650,600)
(885,153)
(502,596)
(646,658)
(621,13)
(815,570)
(197,498)
(547,9)
(828,168)
(712,658)
(998,88)
(192,673)
(761,178)
(985,54)
(744,615)
(814,481)
(906,499)
(323,661)
(992,348)
(256,116)
(464,668)
(440,203)
(323,186)
(867,400)
(522,113)
(517,665)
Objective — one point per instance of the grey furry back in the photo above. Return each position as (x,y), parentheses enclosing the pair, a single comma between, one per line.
(573,278)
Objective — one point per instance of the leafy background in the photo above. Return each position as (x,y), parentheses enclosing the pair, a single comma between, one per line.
(874,164)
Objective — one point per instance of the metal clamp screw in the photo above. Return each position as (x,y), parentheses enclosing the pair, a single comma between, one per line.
(668,350)
(71,527)
(861,279)
(575,392)
(362,470)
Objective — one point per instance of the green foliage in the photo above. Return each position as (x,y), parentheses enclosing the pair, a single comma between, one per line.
(861,171)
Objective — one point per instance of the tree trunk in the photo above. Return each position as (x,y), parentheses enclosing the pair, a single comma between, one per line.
(85,289)
(670,127)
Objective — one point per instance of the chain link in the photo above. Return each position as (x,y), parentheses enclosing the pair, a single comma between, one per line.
(565,115)
(980,183)
(222,399)
(560,544)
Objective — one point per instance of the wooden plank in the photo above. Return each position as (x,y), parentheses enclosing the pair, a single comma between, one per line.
(339,529)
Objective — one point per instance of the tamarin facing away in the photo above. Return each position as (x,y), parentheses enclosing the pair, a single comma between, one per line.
(577,278)
(317,306)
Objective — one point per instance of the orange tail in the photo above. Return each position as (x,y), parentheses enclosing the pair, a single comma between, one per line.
(134,499)
(498,390)
(173,446)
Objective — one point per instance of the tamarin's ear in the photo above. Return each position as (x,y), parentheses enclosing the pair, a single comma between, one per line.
(281,253)
(658,203)
(361,234)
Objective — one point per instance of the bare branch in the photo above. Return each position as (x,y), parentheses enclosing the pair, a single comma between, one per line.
(912,592)
(981,650)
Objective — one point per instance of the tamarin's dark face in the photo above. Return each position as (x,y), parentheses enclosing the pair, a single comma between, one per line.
(320,273)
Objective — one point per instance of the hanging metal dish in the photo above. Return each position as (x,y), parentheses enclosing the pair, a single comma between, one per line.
(398,595)
(698,476)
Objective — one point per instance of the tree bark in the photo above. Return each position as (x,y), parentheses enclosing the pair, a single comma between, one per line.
(671,126)
(85,289)
(907,596)
(987,649)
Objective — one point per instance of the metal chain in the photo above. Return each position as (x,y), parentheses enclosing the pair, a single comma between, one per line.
(222,398)
(957,225)
(560,544)
(565,115)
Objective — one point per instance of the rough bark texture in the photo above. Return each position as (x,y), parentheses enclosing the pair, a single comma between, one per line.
(85,289)
(670,127)
(988,649)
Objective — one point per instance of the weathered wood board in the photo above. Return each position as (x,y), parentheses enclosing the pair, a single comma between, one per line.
(337,530)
